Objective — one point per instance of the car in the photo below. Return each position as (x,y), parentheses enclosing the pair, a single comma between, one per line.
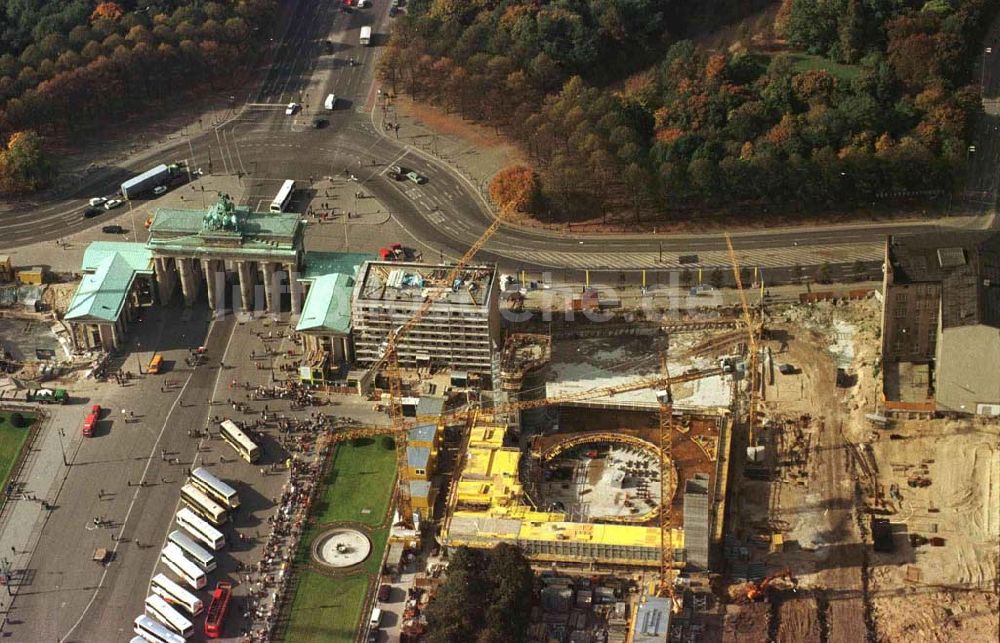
(329,46)
(393,11)
(112,204)
(98,200)
(160,189)
(364,4)
(291,109)
(384,591)
(90,213)
(113,229)
(419,179)
(373,637)
(399,169)
(394,175)
(319,123)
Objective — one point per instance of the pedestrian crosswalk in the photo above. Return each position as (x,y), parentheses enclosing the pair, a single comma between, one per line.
(760,258)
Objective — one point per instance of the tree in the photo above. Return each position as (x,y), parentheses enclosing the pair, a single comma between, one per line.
(107,10)
(715,277)
(486,598)
(17,420)
(515,189)
(23,165)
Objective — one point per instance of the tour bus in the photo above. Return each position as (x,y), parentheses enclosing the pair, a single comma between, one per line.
(150,630)
(216,616)
(207,508)
(215,488)
(164,613)
(239,441)
(199,528)
(173,557)
(174,594)
(366,35)
(193,550)
(283,197)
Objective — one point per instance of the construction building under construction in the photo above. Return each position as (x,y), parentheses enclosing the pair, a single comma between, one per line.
(497,496)
(459,330)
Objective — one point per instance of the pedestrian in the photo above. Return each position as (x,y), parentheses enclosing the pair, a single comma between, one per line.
(125,415)
(163,455)
(100,493)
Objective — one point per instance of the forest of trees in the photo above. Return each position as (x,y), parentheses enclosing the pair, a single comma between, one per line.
(486,598)
(869,97)
(67,65)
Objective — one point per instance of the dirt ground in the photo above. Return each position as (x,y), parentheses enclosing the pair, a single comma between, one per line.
(834,469)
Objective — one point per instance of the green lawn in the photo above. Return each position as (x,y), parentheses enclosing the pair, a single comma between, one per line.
(11,441)
(805,62)
(358,488)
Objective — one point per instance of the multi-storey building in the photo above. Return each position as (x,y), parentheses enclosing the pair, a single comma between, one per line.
(460,330)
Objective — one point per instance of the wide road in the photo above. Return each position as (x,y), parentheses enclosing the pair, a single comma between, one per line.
(447,214)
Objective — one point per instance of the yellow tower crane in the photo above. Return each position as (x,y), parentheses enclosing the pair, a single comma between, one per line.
(752,329)
(666,436)
(390,358)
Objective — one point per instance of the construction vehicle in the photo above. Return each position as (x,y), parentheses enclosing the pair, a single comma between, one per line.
(780,580)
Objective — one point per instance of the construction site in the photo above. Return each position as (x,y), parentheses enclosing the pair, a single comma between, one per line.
(727,473)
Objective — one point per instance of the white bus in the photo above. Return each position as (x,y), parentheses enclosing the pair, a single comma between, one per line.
(366,35)
(164,613)
(283,197)
(174,594)
(193,550)
(239,441)
(178,563)
(152,631)
(137,639)
(215,488)
(199,528)
(204,506)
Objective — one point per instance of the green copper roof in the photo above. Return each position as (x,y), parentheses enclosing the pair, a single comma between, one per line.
(317,264)
(102,293)
(328,305)
(226,227)
(330,276)
(136,254)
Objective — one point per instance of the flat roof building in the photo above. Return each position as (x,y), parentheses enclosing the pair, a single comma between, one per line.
(460,330)
(941,312)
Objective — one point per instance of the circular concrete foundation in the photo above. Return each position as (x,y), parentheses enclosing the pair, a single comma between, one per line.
(341,547)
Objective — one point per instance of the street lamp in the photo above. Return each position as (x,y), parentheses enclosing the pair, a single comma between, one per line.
(62,449)
(138,357)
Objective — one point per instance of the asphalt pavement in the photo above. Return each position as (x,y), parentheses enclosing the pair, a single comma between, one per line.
(448,213)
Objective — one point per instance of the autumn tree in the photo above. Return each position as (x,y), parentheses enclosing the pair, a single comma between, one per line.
(515,189)
(109,10)
(23,165)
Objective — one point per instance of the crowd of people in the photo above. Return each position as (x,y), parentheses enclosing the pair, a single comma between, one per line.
(268,579)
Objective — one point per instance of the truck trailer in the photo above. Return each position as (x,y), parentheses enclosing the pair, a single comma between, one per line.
(162,174)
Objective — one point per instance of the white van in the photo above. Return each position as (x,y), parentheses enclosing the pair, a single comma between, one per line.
(376,618)
(330,101)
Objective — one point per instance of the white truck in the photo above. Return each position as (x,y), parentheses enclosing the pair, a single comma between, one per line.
(366,35)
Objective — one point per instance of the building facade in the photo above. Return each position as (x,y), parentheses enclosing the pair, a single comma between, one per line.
(460,329)
(941,308)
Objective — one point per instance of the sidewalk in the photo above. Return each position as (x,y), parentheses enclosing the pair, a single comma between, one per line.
(41,480)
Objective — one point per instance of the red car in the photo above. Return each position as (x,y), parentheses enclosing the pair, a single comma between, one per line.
(384,591)
(91,421)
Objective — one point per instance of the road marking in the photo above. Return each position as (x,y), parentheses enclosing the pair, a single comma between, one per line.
(131,505)
(197,453)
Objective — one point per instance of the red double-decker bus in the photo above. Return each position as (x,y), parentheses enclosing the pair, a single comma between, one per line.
(217,609)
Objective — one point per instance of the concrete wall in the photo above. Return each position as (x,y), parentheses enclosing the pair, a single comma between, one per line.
(966,369)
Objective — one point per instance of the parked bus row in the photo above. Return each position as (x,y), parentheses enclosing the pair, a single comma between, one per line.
(189,555)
